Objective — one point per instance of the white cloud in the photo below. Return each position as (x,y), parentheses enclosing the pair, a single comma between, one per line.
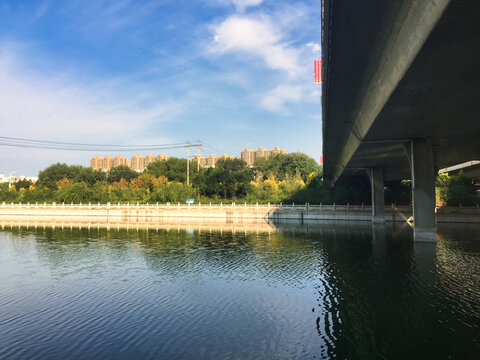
(316,48)
(275,99)
(259,37)
(109,15)
(61,108)
(316,94)
(240,5)
(58,107)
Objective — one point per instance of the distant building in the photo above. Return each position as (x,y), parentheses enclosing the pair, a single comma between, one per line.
(107,163)
(137,162)
(202,160)
(248,155)
(211,160)
(162,157)
(119,160)
(149,159)
(96,163)
(277,150)
(262,153)
(226,156)
(12,179)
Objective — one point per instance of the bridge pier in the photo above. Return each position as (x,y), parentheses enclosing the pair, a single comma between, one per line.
(423,190)
(378,196)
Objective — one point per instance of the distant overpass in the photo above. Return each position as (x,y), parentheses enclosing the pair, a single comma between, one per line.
(401,94)
(470,169)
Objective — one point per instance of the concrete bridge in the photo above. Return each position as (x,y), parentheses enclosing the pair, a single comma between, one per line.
(401,94)
(470,169)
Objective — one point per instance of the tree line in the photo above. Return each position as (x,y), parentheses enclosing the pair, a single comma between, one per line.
(283,178)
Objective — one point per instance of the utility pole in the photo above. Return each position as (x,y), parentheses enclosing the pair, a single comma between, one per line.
(198,156)
(188,163)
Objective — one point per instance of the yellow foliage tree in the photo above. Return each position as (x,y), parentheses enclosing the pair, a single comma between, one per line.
(63,182)
(119,185)
(310,178)
(271,184)
(162,180)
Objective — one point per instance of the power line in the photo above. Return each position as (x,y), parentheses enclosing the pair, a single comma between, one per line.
(212,150)
(57,145)
(215,148)
(80,144)
(91,147)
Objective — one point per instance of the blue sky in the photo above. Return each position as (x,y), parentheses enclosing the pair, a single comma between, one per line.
(232,73)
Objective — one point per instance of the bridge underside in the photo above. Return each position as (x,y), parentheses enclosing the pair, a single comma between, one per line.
(396,74)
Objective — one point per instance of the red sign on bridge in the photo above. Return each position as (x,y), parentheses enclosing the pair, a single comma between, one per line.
(318,71)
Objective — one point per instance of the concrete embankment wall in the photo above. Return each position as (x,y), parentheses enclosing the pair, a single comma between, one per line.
(230,212)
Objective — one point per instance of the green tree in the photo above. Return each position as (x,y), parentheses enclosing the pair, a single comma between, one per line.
(76,193)
(100,192)
(172,192)
(145,181)
(457,189)
(90,176)
(37,195)
(282,166)
(23,183)
(230,178)
(8,195)
(174,169)
(121,172)
(49,176)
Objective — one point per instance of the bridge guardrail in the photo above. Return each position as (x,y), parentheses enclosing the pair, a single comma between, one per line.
(298,207)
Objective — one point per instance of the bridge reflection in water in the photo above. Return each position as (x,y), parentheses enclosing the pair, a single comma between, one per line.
(251,290)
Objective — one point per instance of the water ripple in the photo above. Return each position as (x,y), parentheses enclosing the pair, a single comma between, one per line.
(346,291)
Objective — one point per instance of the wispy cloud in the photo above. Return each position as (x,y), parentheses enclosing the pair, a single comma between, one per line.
(275,99)
(109,14)
(42,9)
(240,5)
(315,47)
(59,107)
(259,37)
(128,71)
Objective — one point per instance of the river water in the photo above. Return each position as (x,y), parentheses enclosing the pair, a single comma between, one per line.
(328,290)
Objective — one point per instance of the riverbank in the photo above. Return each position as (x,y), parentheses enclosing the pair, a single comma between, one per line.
(145,213)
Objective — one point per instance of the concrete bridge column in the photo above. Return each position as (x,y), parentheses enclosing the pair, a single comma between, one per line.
(378,198)
(423,190)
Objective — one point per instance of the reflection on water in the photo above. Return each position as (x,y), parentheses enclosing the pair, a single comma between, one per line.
(325,290)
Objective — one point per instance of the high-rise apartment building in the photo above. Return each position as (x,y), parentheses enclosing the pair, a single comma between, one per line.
(202,160)
(107,163)
(119,160)
(226,156)
(211,160)
(149,159)
(96,163)
(262,153)
(277,150)
(161,157)
(137,162)
(248,155)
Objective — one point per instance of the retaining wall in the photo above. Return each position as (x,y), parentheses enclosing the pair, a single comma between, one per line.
(224,212)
